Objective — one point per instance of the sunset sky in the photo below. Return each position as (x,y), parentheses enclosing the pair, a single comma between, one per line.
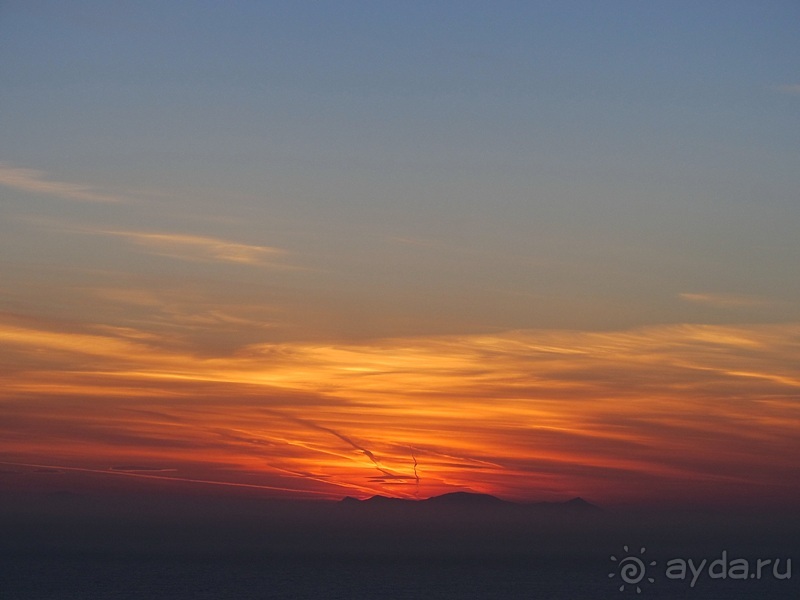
(316,249)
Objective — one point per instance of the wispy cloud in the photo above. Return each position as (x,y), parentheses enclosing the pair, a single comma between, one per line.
(195,247)
(37,182)
(679,411)
(723,300)
(182,310)
(183,246)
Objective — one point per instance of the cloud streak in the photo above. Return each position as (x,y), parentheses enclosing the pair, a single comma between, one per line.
(35,181)
(202,248)
(385,473)
(723,300)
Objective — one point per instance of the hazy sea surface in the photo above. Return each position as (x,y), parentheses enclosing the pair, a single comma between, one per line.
(245,578)
(68,547)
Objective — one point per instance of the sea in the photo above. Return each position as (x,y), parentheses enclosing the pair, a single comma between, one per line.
(75,548)
(295,578)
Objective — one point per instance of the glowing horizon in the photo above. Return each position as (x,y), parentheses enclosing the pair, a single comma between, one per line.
(685,413)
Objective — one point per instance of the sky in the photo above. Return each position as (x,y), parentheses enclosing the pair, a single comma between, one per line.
(308,250)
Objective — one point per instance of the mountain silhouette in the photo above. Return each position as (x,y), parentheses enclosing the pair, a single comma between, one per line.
(469,500)
(465,499)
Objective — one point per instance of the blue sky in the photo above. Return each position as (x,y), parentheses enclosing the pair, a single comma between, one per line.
(446,166)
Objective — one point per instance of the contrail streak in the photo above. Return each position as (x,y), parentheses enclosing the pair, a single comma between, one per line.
(162,478)
(416,475)
(366,452)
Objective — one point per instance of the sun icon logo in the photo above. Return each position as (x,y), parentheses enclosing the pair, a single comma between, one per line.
(632,570)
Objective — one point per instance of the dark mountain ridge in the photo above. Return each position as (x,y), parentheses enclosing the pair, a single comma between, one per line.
(470,500)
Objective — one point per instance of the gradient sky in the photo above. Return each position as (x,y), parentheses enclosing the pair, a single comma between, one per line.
(535,249)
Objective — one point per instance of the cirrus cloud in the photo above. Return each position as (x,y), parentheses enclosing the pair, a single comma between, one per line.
(202,248)
(723,300)
(36,182)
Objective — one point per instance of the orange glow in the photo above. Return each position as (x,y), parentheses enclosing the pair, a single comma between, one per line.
(672,413)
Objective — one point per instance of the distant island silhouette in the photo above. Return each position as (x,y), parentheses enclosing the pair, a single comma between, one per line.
(469,500)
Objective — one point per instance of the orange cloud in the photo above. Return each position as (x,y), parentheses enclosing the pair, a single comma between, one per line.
(194,247)
(723,300)
(681,412)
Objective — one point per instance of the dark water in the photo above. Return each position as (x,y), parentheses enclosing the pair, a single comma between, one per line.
(291,579)
(245,578)
(82,548)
